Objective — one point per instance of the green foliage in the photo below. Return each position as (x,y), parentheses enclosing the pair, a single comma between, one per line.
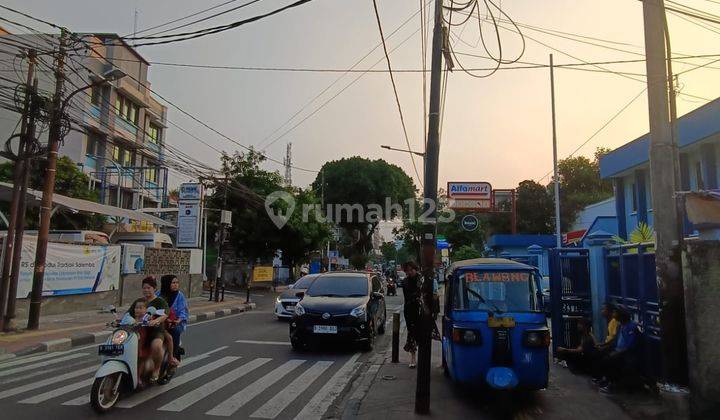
(368,184)
(253,234)
(640,235)
(389,252)
(465,252)
(580,185)
(69,181)
(535,208)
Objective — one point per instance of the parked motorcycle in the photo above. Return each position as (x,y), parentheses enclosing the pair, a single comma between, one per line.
(391,288)
(118,372)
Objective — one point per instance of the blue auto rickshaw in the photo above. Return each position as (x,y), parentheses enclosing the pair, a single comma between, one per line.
(494,330)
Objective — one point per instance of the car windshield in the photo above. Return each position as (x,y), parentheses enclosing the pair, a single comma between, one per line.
(336,286)
(496,291)
(304,282)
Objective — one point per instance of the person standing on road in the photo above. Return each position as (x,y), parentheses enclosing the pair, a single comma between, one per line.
(412,292)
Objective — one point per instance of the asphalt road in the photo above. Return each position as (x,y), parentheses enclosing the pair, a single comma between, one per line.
(240,366)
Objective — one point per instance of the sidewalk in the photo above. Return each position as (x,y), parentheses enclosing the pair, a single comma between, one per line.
(62,332)
(389,393)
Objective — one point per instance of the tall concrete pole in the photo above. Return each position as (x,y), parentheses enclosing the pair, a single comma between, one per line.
(663,167)
(432,156)
(54,138)
(17,197)
(556,176)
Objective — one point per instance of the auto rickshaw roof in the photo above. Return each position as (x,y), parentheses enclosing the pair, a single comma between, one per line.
(490,264)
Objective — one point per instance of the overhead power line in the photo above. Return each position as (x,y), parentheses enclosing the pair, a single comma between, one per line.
(185,17)
(397,97)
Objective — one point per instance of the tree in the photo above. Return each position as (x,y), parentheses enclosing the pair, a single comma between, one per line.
(388,251)
(465,252)
(253,234)
(69,181)
(535,208)
(580,185)
(355,187)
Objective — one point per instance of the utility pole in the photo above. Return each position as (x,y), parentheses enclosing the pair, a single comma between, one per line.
(223,232)
(663,170)
(432,155)
(54,138)
(7,292)
(556,176)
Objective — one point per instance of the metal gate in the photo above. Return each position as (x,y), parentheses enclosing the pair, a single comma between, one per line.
(569,294)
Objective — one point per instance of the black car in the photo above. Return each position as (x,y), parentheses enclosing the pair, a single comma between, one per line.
(340,306)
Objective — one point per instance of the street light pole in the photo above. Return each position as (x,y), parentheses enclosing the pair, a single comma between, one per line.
(556,177)
(432,154)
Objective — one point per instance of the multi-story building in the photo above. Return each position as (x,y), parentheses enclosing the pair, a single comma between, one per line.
(119,128)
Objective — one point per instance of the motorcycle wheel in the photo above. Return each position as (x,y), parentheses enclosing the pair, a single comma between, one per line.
(105,392)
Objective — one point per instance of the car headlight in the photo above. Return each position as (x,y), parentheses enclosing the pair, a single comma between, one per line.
(119,337)
(299,310)
(359,312)
(537,338)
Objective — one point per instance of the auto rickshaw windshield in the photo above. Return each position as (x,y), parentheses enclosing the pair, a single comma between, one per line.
(496,291)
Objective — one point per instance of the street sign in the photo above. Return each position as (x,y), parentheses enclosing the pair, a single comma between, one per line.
(190,215)
(469,196)
(469,223)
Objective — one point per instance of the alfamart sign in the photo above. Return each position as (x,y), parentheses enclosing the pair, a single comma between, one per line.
(469,195)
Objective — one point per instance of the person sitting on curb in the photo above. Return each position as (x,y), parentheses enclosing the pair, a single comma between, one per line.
(582,357)
(608,311)
(620,362)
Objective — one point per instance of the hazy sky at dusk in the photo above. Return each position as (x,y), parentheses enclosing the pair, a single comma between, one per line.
(495,129)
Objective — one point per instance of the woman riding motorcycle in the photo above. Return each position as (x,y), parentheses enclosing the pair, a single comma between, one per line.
(155,327)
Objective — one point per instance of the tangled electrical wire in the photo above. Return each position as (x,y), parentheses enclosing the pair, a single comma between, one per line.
(471,9)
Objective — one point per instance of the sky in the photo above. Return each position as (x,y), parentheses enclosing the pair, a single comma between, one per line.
(495,129)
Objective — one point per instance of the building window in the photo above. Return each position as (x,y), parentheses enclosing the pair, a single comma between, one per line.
(634,197)
(151,174)
(93,146)
(126,109)
(699,175)
(153,133)
(96,95)
(122,156)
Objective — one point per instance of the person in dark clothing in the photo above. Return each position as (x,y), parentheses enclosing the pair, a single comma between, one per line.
(412,292)
(582,357)
(620,362)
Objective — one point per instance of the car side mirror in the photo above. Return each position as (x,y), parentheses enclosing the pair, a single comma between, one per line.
(290,286)
(300,295)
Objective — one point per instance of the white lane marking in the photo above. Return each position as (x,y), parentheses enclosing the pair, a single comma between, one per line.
(58,392)
(9,372)
(29,359)
(45,372)
(274,343)
(284,398)
(85,399)
(209,388)
(242,397)
(49,381)
(320,403)
(151,393)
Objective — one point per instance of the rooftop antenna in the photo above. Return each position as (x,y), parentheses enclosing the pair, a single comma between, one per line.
(288,165)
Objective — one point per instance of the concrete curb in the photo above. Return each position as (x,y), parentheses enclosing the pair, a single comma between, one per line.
(81,339)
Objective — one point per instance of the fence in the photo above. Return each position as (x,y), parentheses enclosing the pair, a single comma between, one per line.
(570,294)
(630,272)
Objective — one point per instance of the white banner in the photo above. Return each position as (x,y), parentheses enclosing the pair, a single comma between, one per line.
(71,269)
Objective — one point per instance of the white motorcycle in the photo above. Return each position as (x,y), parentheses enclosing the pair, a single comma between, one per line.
(118,372)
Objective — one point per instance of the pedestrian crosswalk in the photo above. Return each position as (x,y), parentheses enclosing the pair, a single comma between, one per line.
(213,384)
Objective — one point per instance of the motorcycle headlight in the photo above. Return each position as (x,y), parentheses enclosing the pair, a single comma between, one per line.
(359,312)
(299,310)
(119,337)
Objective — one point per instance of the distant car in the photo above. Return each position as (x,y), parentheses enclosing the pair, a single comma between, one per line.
(286,301)
(340,306)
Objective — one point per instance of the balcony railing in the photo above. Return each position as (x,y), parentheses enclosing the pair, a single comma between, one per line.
(126,126)
(153,146)
(90,162)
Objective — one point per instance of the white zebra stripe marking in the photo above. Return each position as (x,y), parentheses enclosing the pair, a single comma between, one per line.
(151,393)
(242,397)
(320,403)
(199,393)
(58,392)
(9,372)
(35,385)
(284,398)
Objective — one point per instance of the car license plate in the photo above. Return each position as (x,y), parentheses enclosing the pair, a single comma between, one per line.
(325,329)
(290,308)
(111,349)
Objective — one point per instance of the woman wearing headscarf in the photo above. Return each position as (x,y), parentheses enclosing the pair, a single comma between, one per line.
(179,313)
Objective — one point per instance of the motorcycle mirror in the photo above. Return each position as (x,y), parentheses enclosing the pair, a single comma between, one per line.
(112,309)
(151,310)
